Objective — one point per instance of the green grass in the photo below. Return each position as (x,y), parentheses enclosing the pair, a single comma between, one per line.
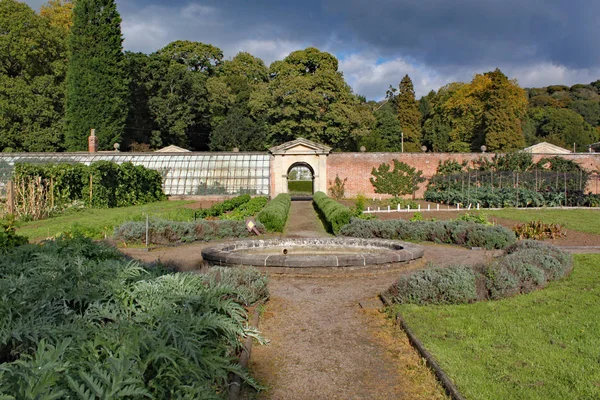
(577,220)
(300,187)
(100,223)
(544,345)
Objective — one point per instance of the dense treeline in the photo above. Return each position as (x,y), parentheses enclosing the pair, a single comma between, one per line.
(63,71)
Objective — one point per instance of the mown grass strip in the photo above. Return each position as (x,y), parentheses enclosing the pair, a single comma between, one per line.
(543,345)
(577,220)
(98,223)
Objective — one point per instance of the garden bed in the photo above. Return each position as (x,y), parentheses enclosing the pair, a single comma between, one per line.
(536,346)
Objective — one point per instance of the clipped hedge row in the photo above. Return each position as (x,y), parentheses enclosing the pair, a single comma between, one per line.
(166,232)
(275,214)
(335,214)
(525,266)
(463,233)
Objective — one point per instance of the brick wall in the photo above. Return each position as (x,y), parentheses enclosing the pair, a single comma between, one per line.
(357,166)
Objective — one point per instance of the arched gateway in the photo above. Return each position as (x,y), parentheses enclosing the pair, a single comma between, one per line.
(298,159)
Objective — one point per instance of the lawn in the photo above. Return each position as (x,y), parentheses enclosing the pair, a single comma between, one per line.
(100,223)
(577,220)
(544,345)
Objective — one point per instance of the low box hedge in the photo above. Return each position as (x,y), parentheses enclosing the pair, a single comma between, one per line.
(335,214)
(167,232)
(463,233)
(275,214)
(524,267)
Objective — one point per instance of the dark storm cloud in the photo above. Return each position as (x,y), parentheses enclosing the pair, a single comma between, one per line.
(464,32)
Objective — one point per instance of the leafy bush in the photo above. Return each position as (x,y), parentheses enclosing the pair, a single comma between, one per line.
(337,190)
(248,209)
(335,214)
(78,320)
(538,230)
(525,266)
(476,218)
(166,232)
(8,236)
(102,184)
(467,234)
(394,202)
(275,214)
(450,285)
(300,187)
(401,180)
(218,209)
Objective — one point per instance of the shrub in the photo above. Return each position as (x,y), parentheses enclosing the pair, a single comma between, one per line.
(248,209)
(538,230)
(218,209)
(101,184)
(467,234)
(8,236)
(403,179)
(450,285)
(525,266)
(275,214)
(476,218)
(335,214)
(78,318)
(337,190)
(167,232)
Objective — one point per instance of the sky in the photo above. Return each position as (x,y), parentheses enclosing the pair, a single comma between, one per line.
(435,42)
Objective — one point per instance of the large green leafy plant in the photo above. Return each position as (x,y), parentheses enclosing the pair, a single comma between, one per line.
(401,180)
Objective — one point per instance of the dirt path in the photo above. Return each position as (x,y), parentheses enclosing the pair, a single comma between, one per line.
(325,346)
(303,221)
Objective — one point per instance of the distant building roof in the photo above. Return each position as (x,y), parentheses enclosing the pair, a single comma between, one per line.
(172,149)
(546,148)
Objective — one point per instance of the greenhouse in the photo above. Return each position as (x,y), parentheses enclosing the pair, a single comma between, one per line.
(183,174)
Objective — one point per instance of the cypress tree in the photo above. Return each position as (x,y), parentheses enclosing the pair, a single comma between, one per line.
(409,115)
(96,80)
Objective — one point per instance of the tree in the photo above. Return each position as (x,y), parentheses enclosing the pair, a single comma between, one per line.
(59,14)
(402,180)
(308,97)
(239,130)
(96,82)
(505,106)
(562,127)
(32,74)
(409,115)
(387,127)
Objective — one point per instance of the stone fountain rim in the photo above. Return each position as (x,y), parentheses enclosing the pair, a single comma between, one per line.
(227,254)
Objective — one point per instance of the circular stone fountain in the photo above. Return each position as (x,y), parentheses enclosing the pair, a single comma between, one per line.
(312,253)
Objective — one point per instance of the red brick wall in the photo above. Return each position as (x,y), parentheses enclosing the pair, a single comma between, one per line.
(357,167)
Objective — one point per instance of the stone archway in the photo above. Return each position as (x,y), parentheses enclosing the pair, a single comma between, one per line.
(298,152)
(301,180)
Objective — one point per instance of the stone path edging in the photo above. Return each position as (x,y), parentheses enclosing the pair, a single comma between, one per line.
(444,379)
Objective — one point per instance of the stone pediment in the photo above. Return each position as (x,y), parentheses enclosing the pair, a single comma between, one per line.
(300,146)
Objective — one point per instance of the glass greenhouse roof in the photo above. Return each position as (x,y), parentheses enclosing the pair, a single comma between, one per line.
(183,174)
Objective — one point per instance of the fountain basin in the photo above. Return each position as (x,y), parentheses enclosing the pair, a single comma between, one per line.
(312,252)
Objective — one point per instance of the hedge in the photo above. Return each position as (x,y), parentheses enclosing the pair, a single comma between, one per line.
(335,214)
(275,214)
(167,232)
(103,184)
(463,233)
(524,267)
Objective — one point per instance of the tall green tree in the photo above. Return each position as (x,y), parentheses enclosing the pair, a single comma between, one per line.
(308,97)
(505,106)
(96,80)
(32,74)
(409,115)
